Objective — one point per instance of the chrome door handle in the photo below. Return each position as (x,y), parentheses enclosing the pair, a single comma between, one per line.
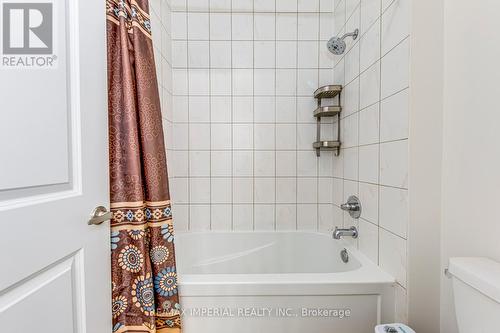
(100,215)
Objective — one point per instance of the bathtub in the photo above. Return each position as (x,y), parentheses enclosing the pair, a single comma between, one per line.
(278,282)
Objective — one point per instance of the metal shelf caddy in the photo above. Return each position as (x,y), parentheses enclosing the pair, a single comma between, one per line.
(330,92)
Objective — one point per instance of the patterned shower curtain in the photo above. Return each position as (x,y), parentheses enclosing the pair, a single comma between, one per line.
(144,278)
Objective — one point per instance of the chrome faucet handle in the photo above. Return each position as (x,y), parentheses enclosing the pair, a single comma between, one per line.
(353,206)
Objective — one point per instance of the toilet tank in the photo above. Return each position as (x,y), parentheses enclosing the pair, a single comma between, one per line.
(476,289)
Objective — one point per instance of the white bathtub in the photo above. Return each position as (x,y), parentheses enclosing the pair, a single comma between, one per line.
(278,282)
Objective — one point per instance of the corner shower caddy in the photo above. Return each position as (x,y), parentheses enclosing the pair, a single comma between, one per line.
(330,92)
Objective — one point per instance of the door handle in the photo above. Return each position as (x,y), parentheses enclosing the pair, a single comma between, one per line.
(100,215)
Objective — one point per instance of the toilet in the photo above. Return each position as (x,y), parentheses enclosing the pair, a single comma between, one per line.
(476,291)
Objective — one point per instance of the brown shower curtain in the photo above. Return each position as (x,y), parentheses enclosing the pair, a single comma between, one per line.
(144,278)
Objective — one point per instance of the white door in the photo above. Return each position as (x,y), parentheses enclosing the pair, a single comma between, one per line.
(54,267)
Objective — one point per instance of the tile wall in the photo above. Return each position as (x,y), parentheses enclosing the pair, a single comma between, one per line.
(161,15)
(374,159)
(244,73)
(237,79)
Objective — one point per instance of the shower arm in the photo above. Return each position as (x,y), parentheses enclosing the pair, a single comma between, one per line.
(353,34)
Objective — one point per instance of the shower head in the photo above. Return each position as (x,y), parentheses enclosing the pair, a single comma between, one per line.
(337,45)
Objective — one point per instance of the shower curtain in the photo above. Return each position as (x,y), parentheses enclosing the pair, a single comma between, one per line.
(144,278)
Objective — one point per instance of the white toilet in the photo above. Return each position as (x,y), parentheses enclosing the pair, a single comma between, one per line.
(476,289)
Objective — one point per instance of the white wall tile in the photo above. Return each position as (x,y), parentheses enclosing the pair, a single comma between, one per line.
(286,54)
(243,190)
(368,164)
(197,5)
(264,5)
(394,210)
(221,190)
(286,25)
(325,218)
(242,5)
(369,88)
(220,109)
(286,217)
(370,12)
(264,217)
(199,190)
(220,54)
(264,82)
(286,82)
(368,240)
(220,26)
(199,109)
(308,5)
(308,26)
(265,163)
(179,25)
(286,163)
(200,217)
(307,190)
(394,114)
(308,54)
(307,164)
(242,136)
(370,46)
(242,82)
(221,164)
(264,54)
(264,136)
(242,217)
(352,64)
(307,217)
(221,136)
(265,190)
(395,24)
(199,136)
(199,163)
(181,213)
(242,54)
(264,26)
(351,164)
(242,26)
(286,5)
(199,81)
(395,69)
(197,26)
(393,256)
(286,190)
(286,108)
(369,125)
(221,217)
(220,5)
(264,109)
(242,163)
(394,164)
(242,109)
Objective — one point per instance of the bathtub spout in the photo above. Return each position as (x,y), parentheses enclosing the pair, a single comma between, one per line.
(351,232)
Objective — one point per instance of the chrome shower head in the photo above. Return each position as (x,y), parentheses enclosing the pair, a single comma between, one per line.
(337,45)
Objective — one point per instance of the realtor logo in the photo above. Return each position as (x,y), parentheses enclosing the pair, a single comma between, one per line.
(27,34)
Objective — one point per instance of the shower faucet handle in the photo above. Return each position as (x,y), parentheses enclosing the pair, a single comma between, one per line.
(353,206)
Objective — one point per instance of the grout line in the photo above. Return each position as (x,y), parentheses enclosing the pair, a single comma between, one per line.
(188,131)
(379,132)
(210,118)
